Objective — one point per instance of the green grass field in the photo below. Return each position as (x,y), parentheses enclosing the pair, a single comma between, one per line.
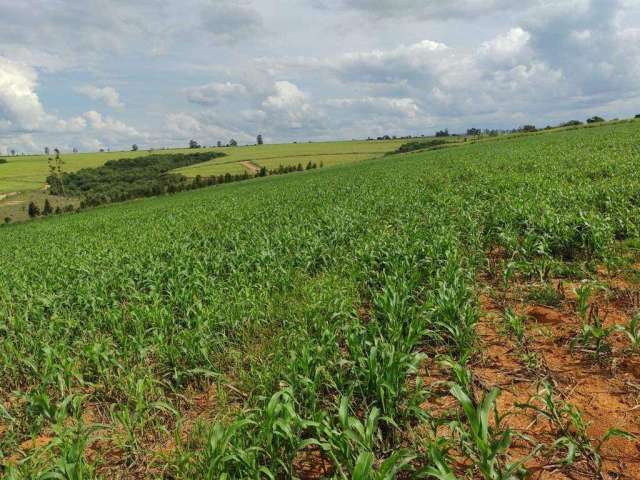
(358,322)
(271,156)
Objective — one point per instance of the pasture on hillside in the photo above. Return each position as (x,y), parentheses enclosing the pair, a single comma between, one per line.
(468,312)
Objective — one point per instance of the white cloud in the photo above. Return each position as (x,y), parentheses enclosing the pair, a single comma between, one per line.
(20,107)
(110,127)
(508,48)
(182,127)
(214,93)
(400,107)
(288,106)
(107,95)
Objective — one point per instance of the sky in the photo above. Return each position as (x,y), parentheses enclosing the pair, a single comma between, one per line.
(107,74)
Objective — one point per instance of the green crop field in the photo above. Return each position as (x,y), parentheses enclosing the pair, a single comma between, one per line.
(271,156)
(466,312)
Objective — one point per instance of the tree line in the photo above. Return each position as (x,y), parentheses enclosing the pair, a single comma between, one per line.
(125,179)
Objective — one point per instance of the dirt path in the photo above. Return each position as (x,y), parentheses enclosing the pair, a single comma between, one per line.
(7,195)
(251,166)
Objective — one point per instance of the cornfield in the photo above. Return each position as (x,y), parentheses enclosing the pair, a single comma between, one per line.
(335,323)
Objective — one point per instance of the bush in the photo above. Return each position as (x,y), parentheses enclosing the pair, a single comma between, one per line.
(637,116)
(413,146)
(3,160)
(47,210)
(34,210)
(571,123)
(595,119)
(7,220)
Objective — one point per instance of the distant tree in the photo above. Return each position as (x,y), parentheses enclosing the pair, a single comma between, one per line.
(638,116)
(56,174)
(47,209)
(193,144)
(260,140)
(443,133)
(75,150)
(134,148)
(46,150)
(13,152)
(595,119)
(219,144)
(33,210)
(571,123)
(233,143)
(528,128)
(474,132)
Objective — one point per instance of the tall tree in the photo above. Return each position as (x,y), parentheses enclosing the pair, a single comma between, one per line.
(260,140)
(56,172)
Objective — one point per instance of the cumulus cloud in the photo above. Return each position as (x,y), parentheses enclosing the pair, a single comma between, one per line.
(214,93)
(183,126)
(107,95)
(20,107)
(399,107)
(109,126)
(289,107)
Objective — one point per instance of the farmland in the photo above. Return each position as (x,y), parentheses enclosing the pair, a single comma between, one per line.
(22,178)
(23,173)
(468,312)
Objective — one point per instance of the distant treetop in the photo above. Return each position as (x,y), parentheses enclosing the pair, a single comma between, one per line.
(595,119)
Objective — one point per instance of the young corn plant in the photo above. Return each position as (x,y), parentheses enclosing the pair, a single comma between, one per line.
(354,446)
(388,469)
(594,336)
(570,428)
(438,461)
(483,437)
(515,325)
(632,332)
(583,295)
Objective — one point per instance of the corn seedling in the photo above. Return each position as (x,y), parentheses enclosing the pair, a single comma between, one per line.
(570,428)
(632,332)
